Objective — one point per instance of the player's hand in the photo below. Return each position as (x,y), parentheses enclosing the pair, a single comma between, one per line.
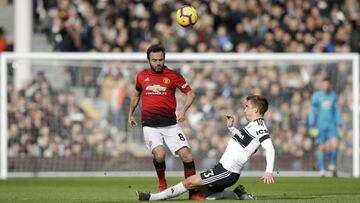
(267,178)
(341,132)
(132,122)
(180,117)
(313,132)
(229,120)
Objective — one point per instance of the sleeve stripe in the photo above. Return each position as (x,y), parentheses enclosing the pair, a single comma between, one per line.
(245,132)
(264,138)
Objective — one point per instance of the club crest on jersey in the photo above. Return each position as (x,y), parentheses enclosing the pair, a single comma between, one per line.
(156,90)
(166,80)
(147,80)
(326,103)
(184,85)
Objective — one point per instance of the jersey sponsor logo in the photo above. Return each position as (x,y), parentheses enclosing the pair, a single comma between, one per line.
(326,104)
(166,80)
(184,85)
(156,90)
(262,131)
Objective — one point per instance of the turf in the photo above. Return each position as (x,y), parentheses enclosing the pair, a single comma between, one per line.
(116,189)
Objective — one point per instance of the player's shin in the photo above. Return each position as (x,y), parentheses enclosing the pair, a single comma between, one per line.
(189,170)
(320,159)
(333,156)
(332,164)
(160,171)
(171,192)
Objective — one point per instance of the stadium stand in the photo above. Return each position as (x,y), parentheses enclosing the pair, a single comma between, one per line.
(224,26)
(130,26)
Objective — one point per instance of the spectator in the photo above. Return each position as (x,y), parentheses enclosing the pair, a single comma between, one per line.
(124,26)
(240,25)
(3,41)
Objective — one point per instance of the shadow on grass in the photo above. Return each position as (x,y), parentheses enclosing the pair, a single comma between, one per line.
(262,197)
(302,197)
(285,197)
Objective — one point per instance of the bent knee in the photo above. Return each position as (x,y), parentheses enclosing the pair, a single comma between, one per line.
(159,154)
(187,158)
(185,155)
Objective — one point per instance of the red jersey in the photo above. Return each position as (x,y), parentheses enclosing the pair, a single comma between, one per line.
(158,96)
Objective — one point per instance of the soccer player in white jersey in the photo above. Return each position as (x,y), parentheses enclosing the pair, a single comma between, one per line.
(240,148)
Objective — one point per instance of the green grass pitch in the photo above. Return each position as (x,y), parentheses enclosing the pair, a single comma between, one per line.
(122,189)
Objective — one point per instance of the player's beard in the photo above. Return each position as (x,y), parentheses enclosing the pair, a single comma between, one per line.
(158,68)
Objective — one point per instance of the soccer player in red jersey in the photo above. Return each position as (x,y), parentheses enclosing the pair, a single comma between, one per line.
(156,87)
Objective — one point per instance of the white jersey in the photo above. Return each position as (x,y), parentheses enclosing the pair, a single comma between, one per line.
(243,144)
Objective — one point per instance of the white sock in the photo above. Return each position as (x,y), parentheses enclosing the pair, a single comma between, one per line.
(226,194)
(170,192)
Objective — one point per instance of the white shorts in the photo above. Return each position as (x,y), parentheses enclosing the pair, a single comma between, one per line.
(172,135)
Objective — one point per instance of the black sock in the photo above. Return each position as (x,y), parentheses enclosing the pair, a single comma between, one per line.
(160,169)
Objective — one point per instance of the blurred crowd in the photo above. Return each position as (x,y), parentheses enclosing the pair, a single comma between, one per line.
(223,26)
(49,122)
(222,90)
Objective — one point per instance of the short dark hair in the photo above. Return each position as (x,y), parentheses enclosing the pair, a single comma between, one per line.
(155,48)
(260,102)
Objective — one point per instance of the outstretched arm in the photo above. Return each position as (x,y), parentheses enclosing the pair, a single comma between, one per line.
(189,100)
(134,101)
(270,158)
